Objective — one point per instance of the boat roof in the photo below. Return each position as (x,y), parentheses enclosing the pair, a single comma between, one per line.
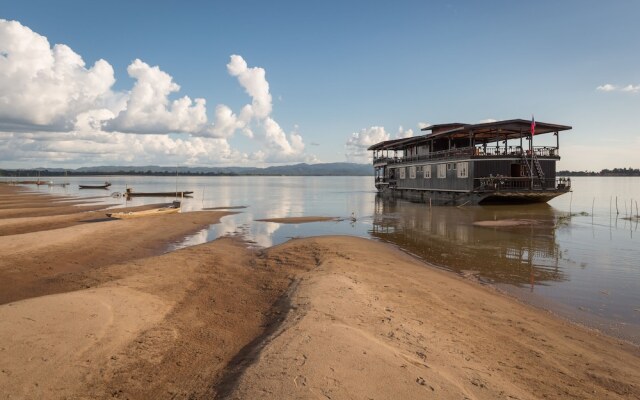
(485,131)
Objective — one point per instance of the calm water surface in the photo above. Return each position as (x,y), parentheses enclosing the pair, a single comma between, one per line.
(576,256)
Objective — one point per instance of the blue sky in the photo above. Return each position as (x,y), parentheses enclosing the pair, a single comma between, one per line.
(337,76)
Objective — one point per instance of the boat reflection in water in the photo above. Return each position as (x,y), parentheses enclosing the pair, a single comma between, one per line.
(523,254)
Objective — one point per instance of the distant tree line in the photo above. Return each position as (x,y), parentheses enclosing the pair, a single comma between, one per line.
(337,169)
(35,173)
(604,172)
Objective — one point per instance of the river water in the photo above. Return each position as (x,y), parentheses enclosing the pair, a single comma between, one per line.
(577,256)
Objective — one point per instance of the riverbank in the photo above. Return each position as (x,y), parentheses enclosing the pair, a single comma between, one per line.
(92,308)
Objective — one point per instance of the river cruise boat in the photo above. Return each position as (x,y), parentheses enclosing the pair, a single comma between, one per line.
(459,164)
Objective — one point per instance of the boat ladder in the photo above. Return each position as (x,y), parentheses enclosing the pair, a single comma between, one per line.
(538,169)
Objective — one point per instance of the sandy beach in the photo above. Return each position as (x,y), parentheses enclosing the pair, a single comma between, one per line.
(96,308)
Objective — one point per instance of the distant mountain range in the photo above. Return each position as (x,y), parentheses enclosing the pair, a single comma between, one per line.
(328,169)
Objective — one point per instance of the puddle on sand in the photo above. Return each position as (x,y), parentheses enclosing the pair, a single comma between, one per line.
(262,234)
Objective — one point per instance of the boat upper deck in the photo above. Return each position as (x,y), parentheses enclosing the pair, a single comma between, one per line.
(488,132)
(471,153)
(456,140)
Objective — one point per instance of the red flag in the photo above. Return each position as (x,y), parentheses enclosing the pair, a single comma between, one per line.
(533,126)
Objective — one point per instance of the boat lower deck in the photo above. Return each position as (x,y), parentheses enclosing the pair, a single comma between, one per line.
(458,198)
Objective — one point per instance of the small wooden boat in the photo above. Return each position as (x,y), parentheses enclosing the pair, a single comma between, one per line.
(105,186)
(171,209)
(63,184)
(130,193)
(38,182)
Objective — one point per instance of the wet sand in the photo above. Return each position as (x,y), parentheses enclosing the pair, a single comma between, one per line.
(298,220)
(507,223)
(91,308)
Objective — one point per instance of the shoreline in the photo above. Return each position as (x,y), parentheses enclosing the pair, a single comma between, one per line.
(616,330)
(337,338)
(92,309)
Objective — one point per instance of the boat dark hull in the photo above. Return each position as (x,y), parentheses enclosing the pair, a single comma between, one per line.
(30,182)
(144,213)
(159,194)
(522,197)
(459,198)
(94,187)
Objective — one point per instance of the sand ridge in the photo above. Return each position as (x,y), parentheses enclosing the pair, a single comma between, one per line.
(372,322)
(51,342)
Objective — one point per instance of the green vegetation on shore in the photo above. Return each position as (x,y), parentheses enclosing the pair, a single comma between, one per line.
(604,172)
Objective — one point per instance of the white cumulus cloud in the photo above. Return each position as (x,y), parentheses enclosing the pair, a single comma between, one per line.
(631,88)
(104,148)
(226,123)
(358,142)
(614,88)
(46,87)
(404,134)
(606,87)
(148,109)
(254,81)
(53,107)
(367,137)
(256,121)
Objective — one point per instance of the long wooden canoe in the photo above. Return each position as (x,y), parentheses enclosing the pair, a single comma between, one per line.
(172,209)
(105,186)
(38,182)
(130,193)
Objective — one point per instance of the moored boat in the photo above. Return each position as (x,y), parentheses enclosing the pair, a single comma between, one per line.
(105,186)
(170,209)
(38,182)
(52,183)
(63,184)
(459,164)
(130,193)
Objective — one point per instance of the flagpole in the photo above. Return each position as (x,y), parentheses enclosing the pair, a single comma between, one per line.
(533,128)
(531,161)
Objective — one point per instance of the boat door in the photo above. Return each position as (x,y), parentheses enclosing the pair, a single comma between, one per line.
(516,170)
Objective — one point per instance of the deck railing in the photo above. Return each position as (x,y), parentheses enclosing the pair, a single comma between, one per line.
(464,152)
(499,183)
(538,151)
(521,183)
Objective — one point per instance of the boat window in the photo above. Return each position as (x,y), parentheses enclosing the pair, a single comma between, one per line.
(427,171)
(402,172)
(442,171)
(462,170)
(412,172)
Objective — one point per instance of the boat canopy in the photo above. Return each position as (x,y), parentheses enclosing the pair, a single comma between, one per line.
(484,132)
